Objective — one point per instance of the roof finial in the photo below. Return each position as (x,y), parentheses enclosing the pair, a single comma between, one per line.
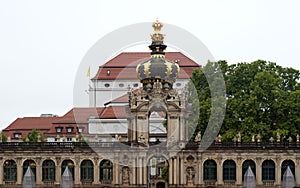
(157,36)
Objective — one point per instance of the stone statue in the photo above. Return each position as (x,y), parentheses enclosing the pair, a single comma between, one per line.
(290,139)
(297,137)
(239,137)
(271,139)
(190,173)
(198,137)
(253,139)
(258,137)
(278,137)
(125,175)
(219,138)
(39,138)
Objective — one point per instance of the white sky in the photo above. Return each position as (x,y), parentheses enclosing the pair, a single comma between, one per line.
(43,42)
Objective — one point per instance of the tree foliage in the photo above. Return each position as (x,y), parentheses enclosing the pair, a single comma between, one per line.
(261,98)
(33,136)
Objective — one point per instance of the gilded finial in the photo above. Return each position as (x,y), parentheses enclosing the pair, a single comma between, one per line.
(157,36)
(157,25)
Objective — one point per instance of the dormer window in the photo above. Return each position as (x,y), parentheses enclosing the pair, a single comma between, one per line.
(58,129)
(69,129)
(17,135)
(80,129)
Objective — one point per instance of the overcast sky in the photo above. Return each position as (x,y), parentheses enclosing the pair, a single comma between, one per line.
(43,42)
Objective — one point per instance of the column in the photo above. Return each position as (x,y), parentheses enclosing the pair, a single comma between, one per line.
(277,173)
(96,173)
(133,178)
(239,174)
(219,172)
(297,171)
(19,171)
(200,172)
(171,171)
(258,173)
(175,170)
(1,170)
(116,174)
(77,174)
(145,174)
(38,174)
(57,174)
(140,176)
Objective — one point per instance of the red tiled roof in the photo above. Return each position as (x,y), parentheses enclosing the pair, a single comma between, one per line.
(123,66)
(114,112)
(26,124)
(79,115)
(123,99)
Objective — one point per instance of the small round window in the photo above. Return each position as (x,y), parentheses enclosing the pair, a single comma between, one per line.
(135,85)
(121,85)
(106,85)
(178,84)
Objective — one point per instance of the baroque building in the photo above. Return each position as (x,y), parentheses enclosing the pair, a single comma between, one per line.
(139,139)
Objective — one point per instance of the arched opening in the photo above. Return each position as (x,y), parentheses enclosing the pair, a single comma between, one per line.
(87,171)
(285,164)
(268,170)
(229,170)
(160,185)
(106,171)
(157,126)
(48,170)
(29,163)
(70,164)
(210,170)
(246,165)
(10,170)
(158,171)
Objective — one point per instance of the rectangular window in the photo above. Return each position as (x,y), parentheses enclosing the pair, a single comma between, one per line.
(17,135)
(80,129)
(69,139)
(58,129)
(69,129)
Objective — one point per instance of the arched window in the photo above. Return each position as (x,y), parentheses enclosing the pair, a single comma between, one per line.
(70,165)
(48,170)
(284,166)
(31,164)
(246,165)
(210,170)
(10,170)
(106,170)
(268,170)
(87,170)
(229,170)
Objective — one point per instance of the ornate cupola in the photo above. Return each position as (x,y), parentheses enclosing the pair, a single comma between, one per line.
(157,68)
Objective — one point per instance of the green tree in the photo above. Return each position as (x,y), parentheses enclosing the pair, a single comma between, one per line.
(4,138)
(261,98)
(33,136)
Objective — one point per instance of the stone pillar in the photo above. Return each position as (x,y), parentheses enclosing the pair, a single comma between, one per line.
(145,174)
(140,169)
(181,170)
(116,174)
(297,171)
(57,174)
(77,172)
(96,171)
(171,171)
(38,174)
(134,172)
(277,173)
(259,172)
(19,171)
(1,170)
(175,170)
(239,174)
(200,171)
(219,172)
